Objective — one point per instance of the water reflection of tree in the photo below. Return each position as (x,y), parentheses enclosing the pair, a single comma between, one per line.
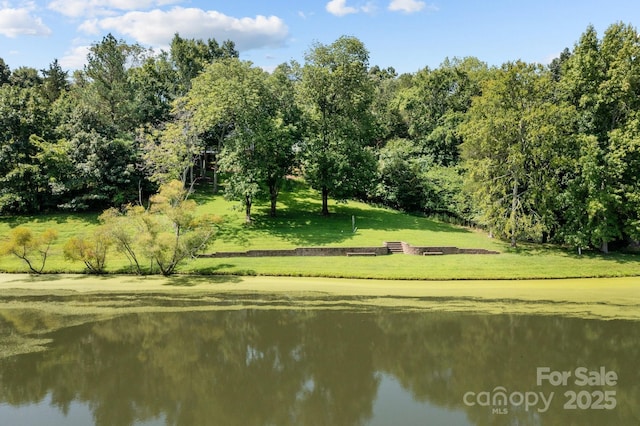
(314,367)
(439,357)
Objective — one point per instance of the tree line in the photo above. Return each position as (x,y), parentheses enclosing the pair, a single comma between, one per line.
(532,152)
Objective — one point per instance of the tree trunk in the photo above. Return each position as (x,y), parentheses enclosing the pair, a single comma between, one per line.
(273,194)
(605,246)
(185,173)
(325,201)
(514,216)
(247,209)
(215,176)
(214,161)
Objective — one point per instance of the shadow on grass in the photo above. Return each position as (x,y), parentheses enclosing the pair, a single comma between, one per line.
(236,234)
(617,257)
(530,249)
(57,218)
(302,227)
(299,221)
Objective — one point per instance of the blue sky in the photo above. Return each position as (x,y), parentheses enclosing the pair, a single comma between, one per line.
(405,34)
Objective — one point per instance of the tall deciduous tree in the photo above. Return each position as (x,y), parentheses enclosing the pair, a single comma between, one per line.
(155,86)
(336,94)
(191,56)
(435,103)
(170,152)
(399,184)
(229,98)
(256,113)
(22,114)
(600,79)
(284,129)
(511,137)
(389,121)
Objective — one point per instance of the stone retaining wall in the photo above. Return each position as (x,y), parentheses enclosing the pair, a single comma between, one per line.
(344,251)
(417,250)
(301,251)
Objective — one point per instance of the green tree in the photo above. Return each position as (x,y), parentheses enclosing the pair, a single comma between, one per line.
(56,172)
(5,72)
(512,135)
(91,251)
(259,111)
(600,80)
(32,249)
(207,113)
(122,229)
(22,113)
(389,121)
(105,171)
(399,184)
(55,81)
(25,77)
(155,86)
(336,95)
(166,234)
(191,56)
(284,129)
(444,193)
(173,232)
(434,105)
(110,91)
(171,151)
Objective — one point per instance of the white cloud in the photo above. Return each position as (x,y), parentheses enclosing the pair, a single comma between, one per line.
(90,8)
(407,6)
(157,27)
(20,21)
(90,26)
(75,58)
(369,8)
(340,8)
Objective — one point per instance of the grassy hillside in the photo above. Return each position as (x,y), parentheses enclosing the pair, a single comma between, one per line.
(299,224)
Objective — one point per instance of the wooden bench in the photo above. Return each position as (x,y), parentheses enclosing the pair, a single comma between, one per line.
(365,253)
(432,253)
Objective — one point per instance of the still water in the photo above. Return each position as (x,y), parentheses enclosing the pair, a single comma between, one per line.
(377,366)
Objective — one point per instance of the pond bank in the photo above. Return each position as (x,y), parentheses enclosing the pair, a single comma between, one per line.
(611,298)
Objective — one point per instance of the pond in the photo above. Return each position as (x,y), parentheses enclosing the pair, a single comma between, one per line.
(337,365)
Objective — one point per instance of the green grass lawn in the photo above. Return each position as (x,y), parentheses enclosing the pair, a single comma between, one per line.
(299,224)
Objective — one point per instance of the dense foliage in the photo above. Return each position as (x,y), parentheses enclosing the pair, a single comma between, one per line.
(531,152)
